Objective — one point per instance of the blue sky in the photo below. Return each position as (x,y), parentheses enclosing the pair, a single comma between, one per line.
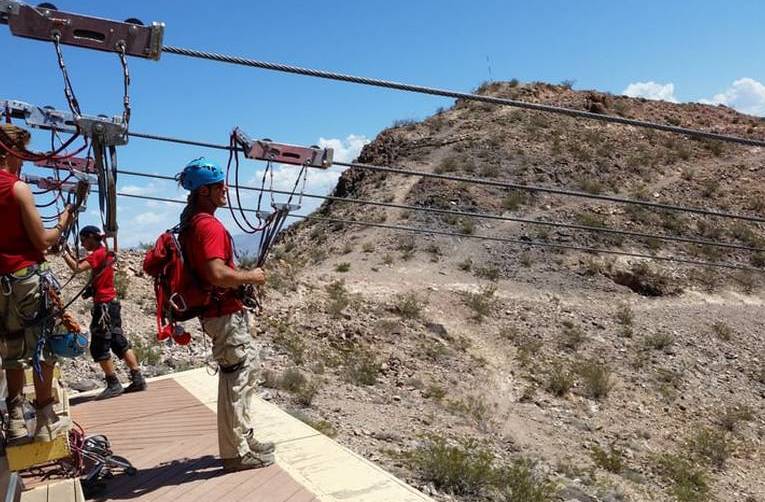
(682,51)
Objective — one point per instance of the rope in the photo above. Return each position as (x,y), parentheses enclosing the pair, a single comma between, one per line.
(586,228)
(489,238)
(487,182)
(71,99)
(222,58)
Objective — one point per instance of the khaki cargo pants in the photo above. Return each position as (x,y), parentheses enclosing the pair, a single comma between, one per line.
(233,347)
(19,304)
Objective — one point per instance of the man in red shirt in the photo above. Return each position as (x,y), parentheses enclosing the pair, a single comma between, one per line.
(106,325)
(23,240)
(209,251)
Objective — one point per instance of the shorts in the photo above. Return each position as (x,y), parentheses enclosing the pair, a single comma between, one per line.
(19,306)
(106,331)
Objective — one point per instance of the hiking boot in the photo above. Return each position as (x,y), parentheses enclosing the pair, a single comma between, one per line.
(17,431)
(49,424)
(138,382)
(249,461)
(259,447)
(113,388)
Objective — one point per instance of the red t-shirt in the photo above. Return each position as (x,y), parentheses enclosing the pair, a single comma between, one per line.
(207,239)
(16,248)
(102,264)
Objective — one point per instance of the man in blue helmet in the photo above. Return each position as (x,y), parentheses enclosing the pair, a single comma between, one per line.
(209,252)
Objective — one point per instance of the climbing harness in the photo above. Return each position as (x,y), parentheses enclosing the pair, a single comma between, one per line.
(92,460)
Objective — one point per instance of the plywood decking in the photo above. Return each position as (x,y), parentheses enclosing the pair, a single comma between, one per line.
(171,437)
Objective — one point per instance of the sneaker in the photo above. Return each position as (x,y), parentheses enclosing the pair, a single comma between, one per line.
(138,382)
(256,446)
(249,461)
(113,388)
(17,431)
(49,424)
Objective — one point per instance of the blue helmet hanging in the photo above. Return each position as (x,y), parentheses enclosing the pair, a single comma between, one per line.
(68,344)
(200,172)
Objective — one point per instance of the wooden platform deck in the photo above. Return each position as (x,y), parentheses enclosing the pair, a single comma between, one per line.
(171,437)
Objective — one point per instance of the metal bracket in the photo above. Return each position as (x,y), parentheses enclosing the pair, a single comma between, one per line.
(79,187)
(112,130)
(8,8)
(265,149)
(83,31)
(79,165)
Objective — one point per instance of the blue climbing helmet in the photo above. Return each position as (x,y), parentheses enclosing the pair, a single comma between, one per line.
(68,343)
(200,172)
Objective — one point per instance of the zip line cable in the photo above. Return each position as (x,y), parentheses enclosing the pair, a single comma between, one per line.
(486,238)
(587,228)
(222,58)
(486,182)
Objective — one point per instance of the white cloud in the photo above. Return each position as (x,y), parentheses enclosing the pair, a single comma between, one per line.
(346,150)
(745,95)
(147,218)
(651,90)
(138,190)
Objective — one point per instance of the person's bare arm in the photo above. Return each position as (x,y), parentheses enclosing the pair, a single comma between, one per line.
(219,274)
(41,237)
(74,265)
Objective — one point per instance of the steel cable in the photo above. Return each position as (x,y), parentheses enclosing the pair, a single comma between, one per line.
(487,182)
(222,58)
(573,226)
(508,240)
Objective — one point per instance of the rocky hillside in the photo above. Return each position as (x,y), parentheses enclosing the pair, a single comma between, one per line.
(481,370)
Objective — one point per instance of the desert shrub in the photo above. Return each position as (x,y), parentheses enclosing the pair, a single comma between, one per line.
(528,348)
(658,341)
(591,185)
(514,200)
(687,482)
(517,482)
(292,380)
(467,226)
(449,164)
(435,391)
(611,459)
(722,330)
(559,380)
(730,417)
(572,336)
(361,367)
(292,343)
(409,305)
(481,303)
(596,378)
(338,298)
(461,467)
(147,353)
(121,283)
(710,446)
(488,272)
(343,267)
(321,425)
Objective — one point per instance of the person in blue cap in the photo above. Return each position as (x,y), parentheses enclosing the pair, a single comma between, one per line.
(106,325)
(209,252)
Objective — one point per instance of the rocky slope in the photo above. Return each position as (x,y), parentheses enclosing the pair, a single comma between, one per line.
(614,378)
